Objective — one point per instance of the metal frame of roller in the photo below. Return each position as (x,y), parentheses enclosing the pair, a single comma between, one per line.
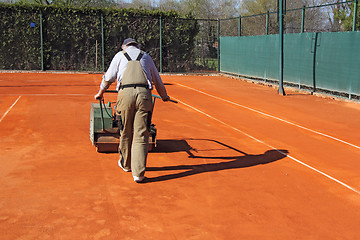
(104,129)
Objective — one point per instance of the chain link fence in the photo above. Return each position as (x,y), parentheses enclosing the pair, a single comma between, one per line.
(319,54)
(332,17)
(53,38)
(61,39)
(206,46)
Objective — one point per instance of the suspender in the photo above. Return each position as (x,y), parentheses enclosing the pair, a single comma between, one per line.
(141,54)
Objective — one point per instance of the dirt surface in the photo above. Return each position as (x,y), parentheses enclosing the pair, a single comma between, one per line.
(234,160)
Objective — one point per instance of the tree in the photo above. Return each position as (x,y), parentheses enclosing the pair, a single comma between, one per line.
(253,7)
(314,17)
(226,8)
(343,17)
(340,15)
(201,9)
(142,4)
(168,5)
(72,3)
(256,25)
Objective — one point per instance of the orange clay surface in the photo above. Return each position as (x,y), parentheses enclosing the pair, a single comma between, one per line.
(234,160)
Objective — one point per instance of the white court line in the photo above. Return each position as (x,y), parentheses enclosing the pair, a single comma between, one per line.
(3,116)
(268,115)
(258,140)
(51,94)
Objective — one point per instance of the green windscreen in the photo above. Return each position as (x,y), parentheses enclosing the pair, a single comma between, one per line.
(328,60)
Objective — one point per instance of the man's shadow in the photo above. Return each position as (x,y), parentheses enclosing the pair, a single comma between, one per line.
(230,162)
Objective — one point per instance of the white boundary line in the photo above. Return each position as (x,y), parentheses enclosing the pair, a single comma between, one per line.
(3,116)
(248,135)
(268,115)
(50,94)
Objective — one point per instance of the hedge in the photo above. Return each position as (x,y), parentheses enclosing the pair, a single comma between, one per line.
(72,37)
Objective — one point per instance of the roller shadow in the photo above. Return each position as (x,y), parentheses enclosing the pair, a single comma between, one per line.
(171,146)
(232,162)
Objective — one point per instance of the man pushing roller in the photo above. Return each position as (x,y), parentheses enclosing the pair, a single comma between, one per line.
(136,73)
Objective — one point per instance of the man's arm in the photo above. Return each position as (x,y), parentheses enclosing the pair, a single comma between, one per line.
(109,77)
(156,79)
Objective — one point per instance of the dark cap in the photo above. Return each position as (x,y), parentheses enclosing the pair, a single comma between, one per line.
(129,41)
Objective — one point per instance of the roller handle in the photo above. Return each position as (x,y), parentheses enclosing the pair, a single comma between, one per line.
(170,100)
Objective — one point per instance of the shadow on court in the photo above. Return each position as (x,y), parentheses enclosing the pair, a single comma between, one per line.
(243,160)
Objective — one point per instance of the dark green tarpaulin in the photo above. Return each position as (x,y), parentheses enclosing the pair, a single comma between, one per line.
(333,63)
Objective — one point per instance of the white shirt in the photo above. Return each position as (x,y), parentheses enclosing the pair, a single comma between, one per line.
(119,63)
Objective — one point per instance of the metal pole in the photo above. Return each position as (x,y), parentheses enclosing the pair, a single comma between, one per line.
(160,44)
(281,45)
(278,10)
(218,50)
(314,61)
(303,19)
(267,22)
(41,43)
(102,43)
(102,115)
(355,15)
(239,26)
(96,54)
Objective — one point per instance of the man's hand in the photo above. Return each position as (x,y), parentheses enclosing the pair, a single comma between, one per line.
(99,95)
(165,99)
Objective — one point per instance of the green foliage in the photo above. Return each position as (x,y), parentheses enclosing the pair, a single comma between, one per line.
(72,37)
(345,16)
(71,3)
(19,48)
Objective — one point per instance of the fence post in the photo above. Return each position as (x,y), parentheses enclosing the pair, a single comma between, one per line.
(355,15)
(218,49)
(41,43)
(102,43)
(160,26)
(239,26)
(314,60)
(267,22)
(303,19)
(281,46)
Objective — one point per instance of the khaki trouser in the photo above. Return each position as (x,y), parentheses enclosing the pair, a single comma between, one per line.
(133,105)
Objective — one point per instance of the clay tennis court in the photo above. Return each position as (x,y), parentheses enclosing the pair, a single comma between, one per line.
(234,160)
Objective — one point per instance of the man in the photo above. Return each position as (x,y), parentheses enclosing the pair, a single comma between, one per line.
(136,73)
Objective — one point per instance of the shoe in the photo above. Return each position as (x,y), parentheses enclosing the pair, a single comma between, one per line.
(139,179)
(120,165)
